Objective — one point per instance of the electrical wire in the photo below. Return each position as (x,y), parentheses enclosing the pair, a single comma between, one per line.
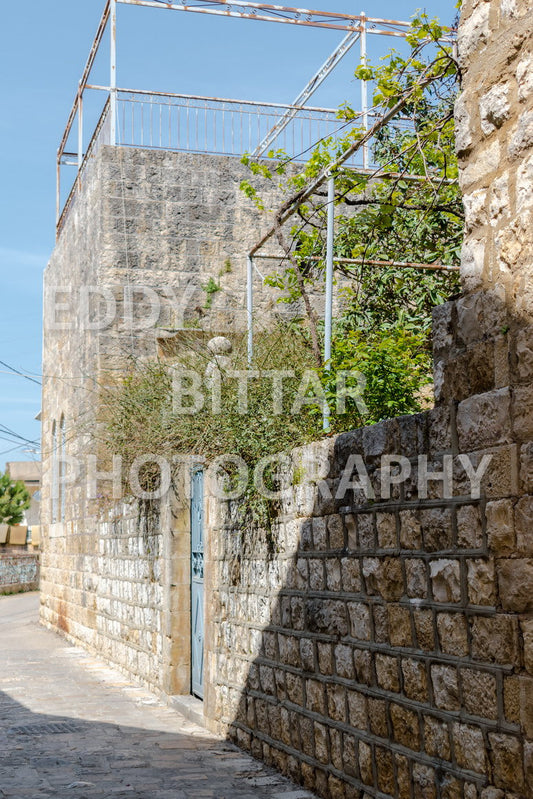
(18,372)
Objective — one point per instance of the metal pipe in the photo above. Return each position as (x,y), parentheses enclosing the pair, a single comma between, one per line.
(113,72)
(365,262)
(293,203)
(328,310)
(250,307)
(80,127)
(63,213)
(273,13)
(364,90)
(204,98)
(86,72)
(309,89)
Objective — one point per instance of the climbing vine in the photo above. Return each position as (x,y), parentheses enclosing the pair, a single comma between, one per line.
(408,208)
(381,334)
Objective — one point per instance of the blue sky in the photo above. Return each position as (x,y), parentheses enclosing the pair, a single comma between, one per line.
(44,48)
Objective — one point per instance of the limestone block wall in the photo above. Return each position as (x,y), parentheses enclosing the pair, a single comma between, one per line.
(154,220)
(161,223)
(386,649)
(494,126)
(19,572)
(378,649)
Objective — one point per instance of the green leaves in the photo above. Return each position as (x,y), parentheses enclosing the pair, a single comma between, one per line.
(210,288)
(252,194)
(410,211)
(14,500)
(396,367)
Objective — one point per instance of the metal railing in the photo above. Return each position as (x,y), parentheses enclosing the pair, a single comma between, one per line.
(197,124)
(215,125)
(100,136)
(218,126)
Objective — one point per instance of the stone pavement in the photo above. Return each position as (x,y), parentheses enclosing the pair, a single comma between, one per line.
(73,728)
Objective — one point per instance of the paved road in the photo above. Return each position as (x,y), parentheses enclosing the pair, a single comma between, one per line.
(72,728)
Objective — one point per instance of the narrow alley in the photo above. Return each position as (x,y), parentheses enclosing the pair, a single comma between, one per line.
(72,727)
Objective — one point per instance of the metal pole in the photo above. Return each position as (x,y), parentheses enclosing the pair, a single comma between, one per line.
(328,311)
(113,72)
(80,128)
(311,87)
(364,89)
(58,187)
(250,307)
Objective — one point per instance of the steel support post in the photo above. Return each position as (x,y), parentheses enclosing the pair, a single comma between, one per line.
(364,88)
(250,307)
(113,72)
(80,128)
(328,310)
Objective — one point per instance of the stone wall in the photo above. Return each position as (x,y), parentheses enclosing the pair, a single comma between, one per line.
(387,649)
(166,222)
(161,221)
(382,647)
(19,572)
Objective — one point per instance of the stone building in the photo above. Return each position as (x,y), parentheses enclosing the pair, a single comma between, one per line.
(387,649)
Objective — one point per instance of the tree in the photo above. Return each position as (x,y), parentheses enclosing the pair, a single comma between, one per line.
(383,333)
(408,209)
(14,500)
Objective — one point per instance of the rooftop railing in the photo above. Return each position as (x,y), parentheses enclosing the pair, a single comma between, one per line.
(189,123)
(211,125)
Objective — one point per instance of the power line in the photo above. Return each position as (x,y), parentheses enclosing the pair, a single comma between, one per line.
(18,372)
(19,443)
(6,451)
(10,432)
(23,439)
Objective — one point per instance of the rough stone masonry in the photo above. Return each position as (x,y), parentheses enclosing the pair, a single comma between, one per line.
(386,650)
(159,224)
(18,572)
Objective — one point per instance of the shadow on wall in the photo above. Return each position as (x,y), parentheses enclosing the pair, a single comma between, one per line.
(382,648)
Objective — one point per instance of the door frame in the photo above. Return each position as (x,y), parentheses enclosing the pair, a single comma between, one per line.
(197,581)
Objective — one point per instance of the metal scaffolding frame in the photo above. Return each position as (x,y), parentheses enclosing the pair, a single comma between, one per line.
(290,207)
(328,66)
(356,26)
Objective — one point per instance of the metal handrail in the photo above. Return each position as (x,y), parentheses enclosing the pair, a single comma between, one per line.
(207,98)
(91,150)
(202,124)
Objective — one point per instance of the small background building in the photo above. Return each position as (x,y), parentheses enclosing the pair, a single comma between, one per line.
(19,563)
(29,472)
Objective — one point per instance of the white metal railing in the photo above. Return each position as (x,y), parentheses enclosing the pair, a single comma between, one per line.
(218,126)
(100,136)
(197,124)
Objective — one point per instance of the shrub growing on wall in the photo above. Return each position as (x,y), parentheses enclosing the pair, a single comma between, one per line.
(381,337)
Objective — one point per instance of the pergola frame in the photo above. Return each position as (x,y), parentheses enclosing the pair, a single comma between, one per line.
(291,206)
(356,27)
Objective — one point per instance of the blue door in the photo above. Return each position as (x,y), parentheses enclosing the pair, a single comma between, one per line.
(197,582)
